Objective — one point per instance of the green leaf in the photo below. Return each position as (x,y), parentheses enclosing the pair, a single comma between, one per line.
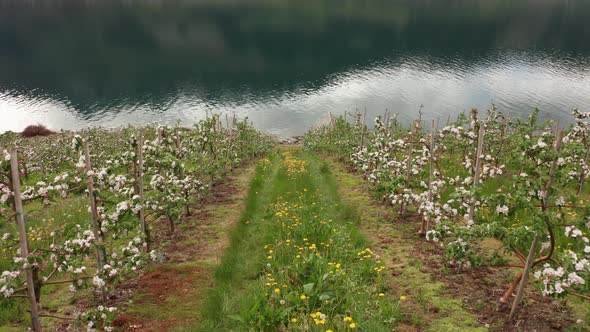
(308,288)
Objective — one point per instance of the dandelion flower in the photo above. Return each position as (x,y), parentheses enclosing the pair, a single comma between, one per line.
(403,297)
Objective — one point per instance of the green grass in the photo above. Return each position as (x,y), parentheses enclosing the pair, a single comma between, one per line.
(237,266)
(296,251)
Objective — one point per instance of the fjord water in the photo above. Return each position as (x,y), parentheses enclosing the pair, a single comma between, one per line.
(283,64)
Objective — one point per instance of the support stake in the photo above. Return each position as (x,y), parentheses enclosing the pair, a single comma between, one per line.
(24,243)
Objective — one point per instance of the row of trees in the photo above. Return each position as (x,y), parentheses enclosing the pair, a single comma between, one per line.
(132,178)
(518,181)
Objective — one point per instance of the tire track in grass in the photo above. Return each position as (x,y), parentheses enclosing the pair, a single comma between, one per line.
(297,260)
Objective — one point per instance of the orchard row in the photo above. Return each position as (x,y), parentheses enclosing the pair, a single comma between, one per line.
(519,182)
(130,179)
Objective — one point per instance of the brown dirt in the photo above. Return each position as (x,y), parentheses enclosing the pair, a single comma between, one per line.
(36,130)
(482,287)
(478,289)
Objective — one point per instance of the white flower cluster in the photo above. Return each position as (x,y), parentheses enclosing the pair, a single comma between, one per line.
(7,282)
(556,280)
(98,318)
(5,193)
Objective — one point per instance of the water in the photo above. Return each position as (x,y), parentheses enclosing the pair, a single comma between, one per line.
(283,64)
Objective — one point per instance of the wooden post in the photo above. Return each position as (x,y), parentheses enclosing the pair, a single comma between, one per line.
(362,136)
(431,176)
(24,243)
(420,118)
(25,169)
(143,225)
(476,175)
(582,176)
(402,210)
(177,134)
(529,263)
(170,224)
(12,204)
(558,141)
(100,253)
(393,122)
(135,171)
(159,135)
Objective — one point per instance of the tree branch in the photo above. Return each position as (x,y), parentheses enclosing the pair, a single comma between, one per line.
(65,281)
(580,295)
(518,254)
(551,248)
(54,316)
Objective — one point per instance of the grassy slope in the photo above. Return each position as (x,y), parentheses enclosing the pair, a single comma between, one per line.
(240,300)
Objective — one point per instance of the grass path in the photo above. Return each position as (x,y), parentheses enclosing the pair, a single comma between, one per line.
(294,243)
(304,257)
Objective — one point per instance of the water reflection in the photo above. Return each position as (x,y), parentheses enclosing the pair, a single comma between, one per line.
(71,64)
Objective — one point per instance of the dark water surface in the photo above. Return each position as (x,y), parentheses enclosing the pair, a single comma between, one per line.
(71,64)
